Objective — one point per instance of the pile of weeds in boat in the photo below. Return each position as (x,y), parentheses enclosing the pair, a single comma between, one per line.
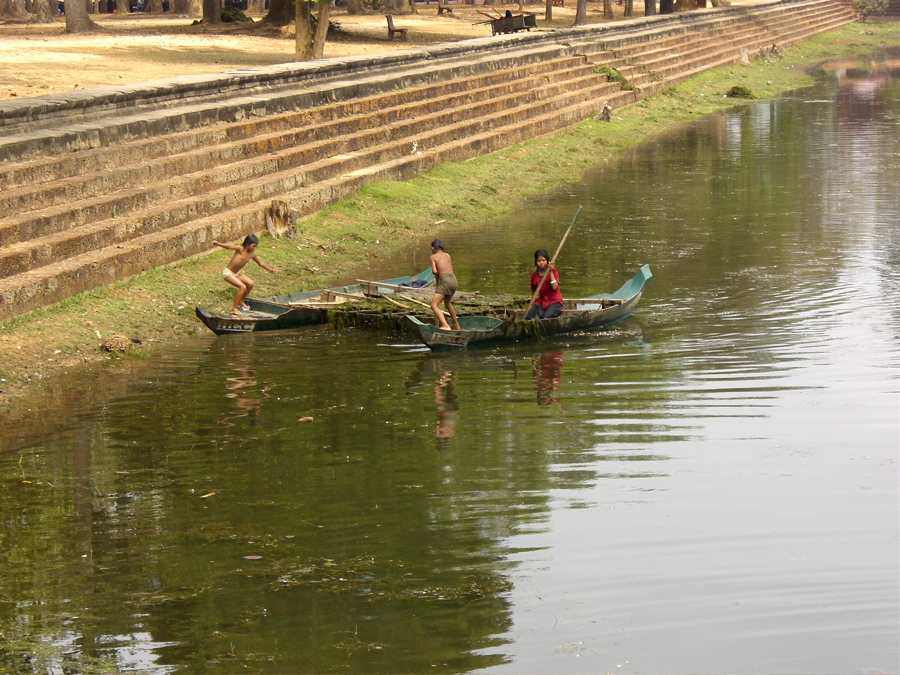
(384,314)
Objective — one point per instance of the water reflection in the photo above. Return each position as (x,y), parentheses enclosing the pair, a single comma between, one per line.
(243,390)
(547,369)
(447,408)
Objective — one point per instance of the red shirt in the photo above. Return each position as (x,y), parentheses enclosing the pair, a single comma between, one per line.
(549,295)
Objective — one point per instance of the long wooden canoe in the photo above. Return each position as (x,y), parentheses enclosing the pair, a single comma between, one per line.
(307,308)
(579,314)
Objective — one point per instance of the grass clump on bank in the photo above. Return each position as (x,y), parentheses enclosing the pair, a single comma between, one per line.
(388,217)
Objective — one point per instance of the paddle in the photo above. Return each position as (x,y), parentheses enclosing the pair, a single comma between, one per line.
(537,291)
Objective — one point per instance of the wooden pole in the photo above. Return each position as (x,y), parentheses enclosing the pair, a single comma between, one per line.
(537,291)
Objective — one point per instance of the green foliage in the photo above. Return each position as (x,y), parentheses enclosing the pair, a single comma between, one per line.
(234,15)
(738,91)
(867,8)
(615,76)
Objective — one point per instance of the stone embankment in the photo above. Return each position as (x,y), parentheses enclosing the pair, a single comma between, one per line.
(101,185)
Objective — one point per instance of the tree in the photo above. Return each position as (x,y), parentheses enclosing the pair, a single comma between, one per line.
(77,19)
(649,7)
(14,11)
(867,8)
(607,9)
(666,6)
(43,12)
(548,10)
(281,13)
(212,12)
(581,13)
(321,28)
(629,8)
(398,7)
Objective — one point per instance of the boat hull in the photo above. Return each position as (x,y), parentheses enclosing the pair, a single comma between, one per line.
(592,312)
(294,310)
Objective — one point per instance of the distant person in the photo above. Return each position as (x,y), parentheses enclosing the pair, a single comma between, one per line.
(444,285)
(232,273)
(549,302)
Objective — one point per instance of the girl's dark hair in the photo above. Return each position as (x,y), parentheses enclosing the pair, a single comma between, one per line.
(438,243)
(541,253)
(250,239)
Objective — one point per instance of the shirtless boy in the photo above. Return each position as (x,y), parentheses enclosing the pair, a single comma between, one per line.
(444,287)
(232,273)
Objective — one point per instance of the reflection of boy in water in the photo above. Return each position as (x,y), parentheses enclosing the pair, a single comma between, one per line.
(447,409)
(547,377)
(239,387)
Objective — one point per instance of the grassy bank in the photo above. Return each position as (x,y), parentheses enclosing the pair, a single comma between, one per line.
(157,308)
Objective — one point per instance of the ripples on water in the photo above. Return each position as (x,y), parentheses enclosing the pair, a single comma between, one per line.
(709,486)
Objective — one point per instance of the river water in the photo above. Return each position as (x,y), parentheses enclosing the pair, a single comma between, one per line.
(709,486)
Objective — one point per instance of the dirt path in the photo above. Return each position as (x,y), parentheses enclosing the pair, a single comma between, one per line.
(41,59)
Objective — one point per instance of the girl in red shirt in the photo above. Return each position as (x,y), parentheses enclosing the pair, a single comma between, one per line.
(549,303)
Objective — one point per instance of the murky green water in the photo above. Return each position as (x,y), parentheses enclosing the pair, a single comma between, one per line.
(711,486)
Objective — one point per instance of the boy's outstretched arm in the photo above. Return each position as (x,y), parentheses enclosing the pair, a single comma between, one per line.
(230,247)
(273,270)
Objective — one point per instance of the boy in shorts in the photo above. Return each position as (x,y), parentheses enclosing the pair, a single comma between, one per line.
(444,285)
(232,273)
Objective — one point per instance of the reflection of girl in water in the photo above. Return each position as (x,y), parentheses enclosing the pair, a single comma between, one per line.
(547,378)
(447,409)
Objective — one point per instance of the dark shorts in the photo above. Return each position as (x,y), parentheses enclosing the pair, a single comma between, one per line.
(548,312)
(445,284)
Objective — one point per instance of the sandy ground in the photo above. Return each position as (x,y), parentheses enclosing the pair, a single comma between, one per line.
(40,59)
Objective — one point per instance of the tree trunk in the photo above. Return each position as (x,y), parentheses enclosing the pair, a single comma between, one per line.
(14,11)
(666,6)
(321,29)
(43,12)
(304,40)
(607,9)
(548,10)
(649,7)
(581,12)
(355,7)
(212,12)
(398,7)
(629,8)
(281,13)
(77,19)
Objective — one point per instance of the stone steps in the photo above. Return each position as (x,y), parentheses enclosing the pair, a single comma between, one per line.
(71,227)
(96,172)
(144,180)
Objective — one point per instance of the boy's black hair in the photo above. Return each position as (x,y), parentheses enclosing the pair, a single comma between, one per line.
(541,253)
(438,244)
(250,239)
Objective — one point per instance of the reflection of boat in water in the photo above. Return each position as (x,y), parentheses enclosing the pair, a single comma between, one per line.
(591,312)
(308,308)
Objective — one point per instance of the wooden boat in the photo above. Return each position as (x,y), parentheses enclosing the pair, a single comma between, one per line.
(579,314)
(307,308)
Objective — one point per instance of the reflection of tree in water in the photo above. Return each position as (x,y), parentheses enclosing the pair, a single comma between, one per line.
(242,389)
(447,408)
(547,379)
